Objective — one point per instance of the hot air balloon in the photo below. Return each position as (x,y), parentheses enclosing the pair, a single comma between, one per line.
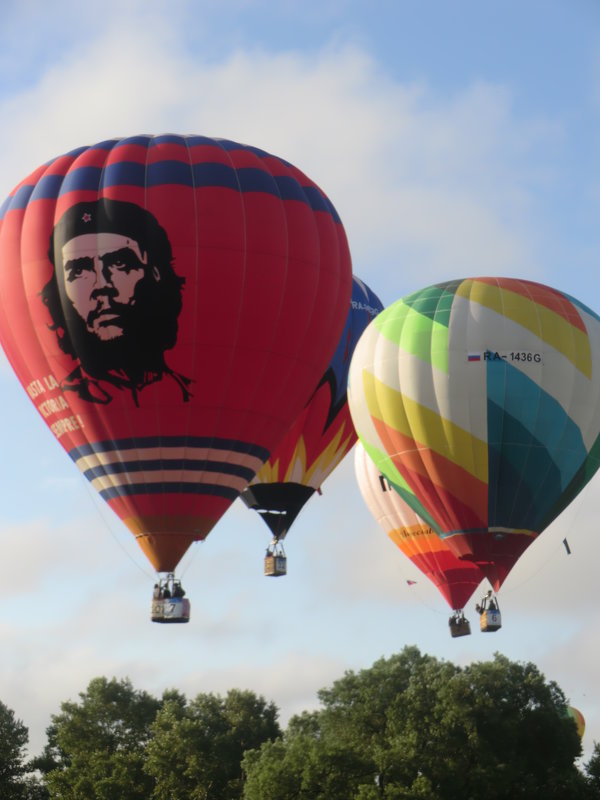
(483,395)
(578,719)
(317,441)
(455,579)
(169,303)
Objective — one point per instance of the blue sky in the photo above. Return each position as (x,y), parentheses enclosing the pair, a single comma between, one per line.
(454,139)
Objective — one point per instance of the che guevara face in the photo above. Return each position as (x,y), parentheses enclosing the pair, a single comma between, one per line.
(101,272)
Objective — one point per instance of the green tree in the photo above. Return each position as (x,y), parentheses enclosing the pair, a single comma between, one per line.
(15,782)
(96,747)
(593,771)
(415,727)
(196,749)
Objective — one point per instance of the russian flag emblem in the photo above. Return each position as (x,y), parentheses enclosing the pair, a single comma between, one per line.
(474,357)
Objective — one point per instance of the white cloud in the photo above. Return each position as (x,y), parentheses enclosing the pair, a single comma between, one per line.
(438,187)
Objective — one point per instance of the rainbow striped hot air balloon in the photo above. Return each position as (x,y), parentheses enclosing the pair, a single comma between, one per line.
(481,398)
(456,580)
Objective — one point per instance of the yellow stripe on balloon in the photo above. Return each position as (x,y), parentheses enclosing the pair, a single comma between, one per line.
(552,328)
(426,427)
(416,333)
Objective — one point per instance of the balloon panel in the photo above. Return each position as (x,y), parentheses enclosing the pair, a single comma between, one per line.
(455,579)
(578,719)
(320,437)
(169,303)
(323,433)
(484,395)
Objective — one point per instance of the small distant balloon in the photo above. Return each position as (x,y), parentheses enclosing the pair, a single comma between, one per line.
(578,719)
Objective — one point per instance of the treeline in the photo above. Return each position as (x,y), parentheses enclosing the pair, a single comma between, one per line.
(410,726)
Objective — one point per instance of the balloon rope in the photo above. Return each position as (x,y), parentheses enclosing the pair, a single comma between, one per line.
(101,510)
(578,503)
(418,593)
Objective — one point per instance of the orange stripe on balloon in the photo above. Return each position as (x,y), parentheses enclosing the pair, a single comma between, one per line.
(543,296)
(417,539)
(454,497)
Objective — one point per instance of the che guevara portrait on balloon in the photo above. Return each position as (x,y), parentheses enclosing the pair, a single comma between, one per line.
(114,299)
(169,304)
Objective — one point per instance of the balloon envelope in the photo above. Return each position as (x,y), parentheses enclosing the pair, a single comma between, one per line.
(455,579)
(169,303)
(320,437)
(483,396)
(578,719)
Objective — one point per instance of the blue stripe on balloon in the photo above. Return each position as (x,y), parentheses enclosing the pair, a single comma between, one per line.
(290,189)
(534,448)
(83,179)
(123,173)
(107,144)
(364,306)
(257,180)
(161,173)
(144,442)
(215,174)
(165,464)
(18,200)
(170,172)
(47,188)
(213,490)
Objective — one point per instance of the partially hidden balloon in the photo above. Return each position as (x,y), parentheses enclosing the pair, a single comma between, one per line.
(320,437)
(483,394)
(455,579)
(578,718)
(169,303)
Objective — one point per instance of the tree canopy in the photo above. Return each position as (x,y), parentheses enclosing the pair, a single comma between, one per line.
(16,780)
(409,726)
(196,749)
(116,743)
(415,727)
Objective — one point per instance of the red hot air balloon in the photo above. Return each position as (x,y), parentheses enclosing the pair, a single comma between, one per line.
(317,441)
(169,304)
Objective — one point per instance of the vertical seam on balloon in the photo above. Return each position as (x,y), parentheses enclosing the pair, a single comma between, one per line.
(67,437)
(551,460)
(227,383)
(193,290)
(283,384)
(127,413)
(436,484)
(524,286)
(15,348)
(592,418)
(126,501)
(501,432)
(381,342)
(566,419)
(228,457)
(471,398)
(269,350)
